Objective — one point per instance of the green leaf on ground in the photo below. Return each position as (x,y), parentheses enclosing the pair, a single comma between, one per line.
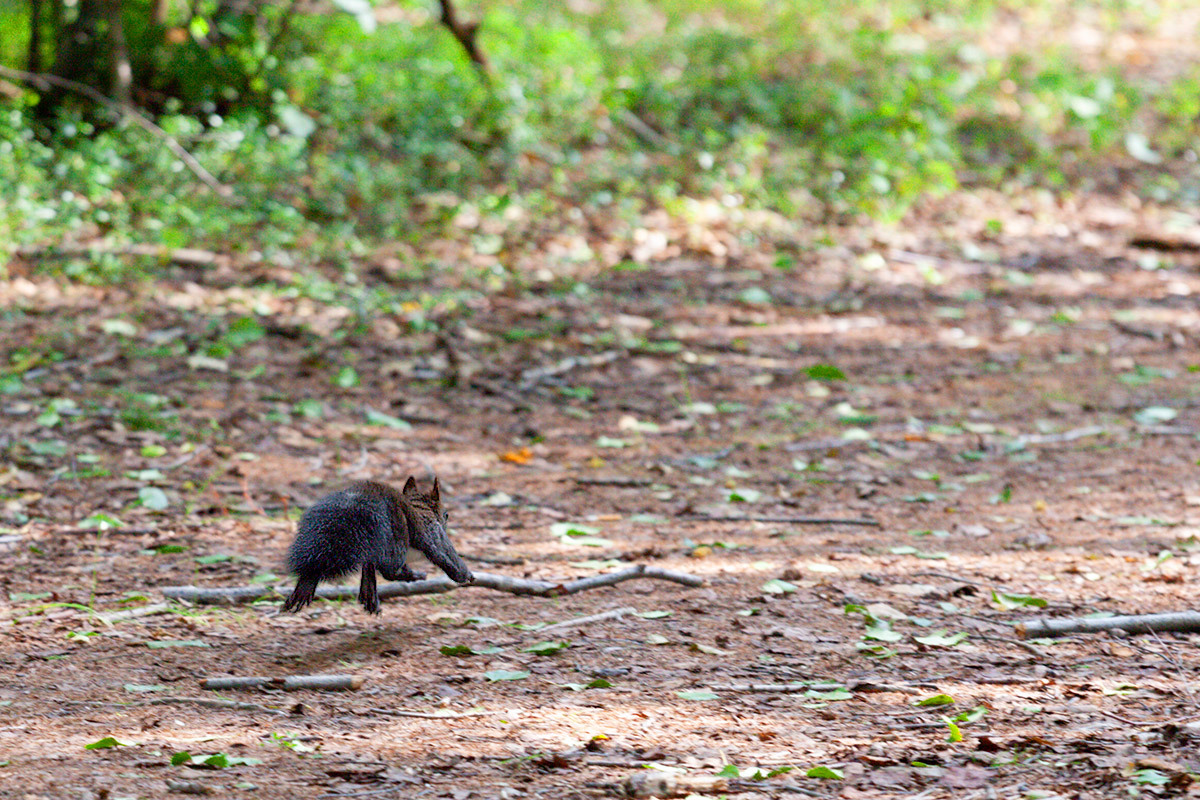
(941,638)
(1008,602)
(466,650)
(825,372)
(108,742)
(546,648)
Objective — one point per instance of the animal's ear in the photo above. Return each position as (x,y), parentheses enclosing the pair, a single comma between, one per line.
(410,486)
(435,495)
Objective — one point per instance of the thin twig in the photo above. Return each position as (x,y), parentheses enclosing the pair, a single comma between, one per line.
(432,714)
(1026,646)
(44,80)
(948,577)
(133,613)
(137,531)
(397,789)
(207,702)
(643,130)
(790,520)
(1066,436)
(793,688)
(578,622)
(770,788)
(532,376)
(498,390)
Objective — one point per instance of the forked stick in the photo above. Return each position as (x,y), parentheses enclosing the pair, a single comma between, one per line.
(484,580)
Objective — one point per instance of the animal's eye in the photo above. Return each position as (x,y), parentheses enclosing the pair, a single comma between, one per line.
(445,516)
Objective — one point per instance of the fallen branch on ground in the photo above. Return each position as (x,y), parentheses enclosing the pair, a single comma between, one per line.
(948,577)
(507,561)
(792,688)
(207,702)
(483,580)
(133,613)
(1177,621)
(790,520)
(621,482)
(1065,436)
(432,714)
(132,531)
(531,376)
(578,622)
(641,129)
(184,256)
(289,683)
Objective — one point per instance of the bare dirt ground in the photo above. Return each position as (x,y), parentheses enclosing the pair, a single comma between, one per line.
(992,419)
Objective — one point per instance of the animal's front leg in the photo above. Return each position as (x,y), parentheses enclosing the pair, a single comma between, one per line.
(407,573)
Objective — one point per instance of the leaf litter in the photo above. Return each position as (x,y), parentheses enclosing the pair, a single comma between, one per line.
(1051,465)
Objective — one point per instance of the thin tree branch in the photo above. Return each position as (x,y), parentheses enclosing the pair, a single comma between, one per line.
(45,80)
(465,33)
(483,580)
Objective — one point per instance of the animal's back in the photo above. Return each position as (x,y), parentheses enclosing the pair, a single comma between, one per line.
(336,535)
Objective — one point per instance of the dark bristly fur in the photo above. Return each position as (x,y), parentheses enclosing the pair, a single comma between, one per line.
(370,526)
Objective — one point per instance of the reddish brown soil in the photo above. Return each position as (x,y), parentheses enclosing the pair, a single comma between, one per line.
(1062,329)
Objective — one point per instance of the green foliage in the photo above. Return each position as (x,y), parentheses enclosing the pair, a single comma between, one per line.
(340,138)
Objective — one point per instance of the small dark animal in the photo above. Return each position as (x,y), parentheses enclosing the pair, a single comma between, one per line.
(370,526)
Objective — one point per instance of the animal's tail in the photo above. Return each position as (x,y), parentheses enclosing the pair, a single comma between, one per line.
(302,595)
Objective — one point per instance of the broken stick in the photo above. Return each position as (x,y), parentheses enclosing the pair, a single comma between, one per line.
(207,702)
(289,683)
(1178,621)
(484,580)
(782,518)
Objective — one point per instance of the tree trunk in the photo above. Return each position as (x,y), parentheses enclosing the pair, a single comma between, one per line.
(80,49)
(34,61)
(122,73)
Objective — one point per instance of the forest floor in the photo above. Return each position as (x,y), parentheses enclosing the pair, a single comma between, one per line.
(1007,386)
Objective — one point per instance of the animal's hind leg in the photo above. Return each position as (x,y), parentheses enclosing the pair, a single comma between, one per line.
(302,595)
(368,592)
